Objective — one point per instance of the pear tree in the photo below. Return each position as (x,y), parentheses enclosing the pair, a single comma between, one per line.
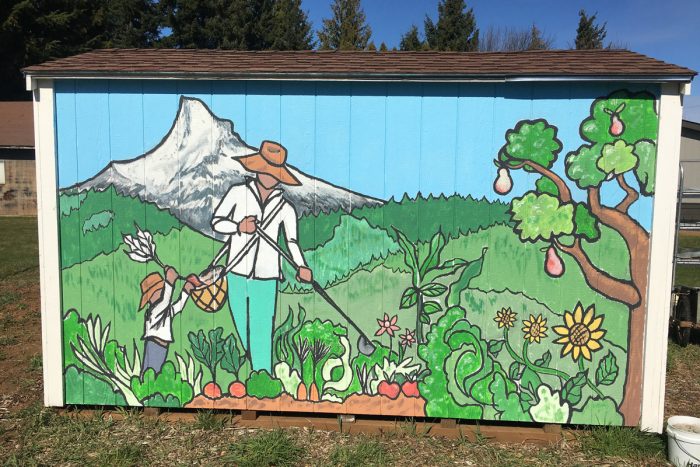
(619,148)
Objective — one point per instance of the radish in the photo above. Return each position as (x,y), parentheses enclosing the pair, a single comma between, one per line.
(410,389)
(390,390)
(212,391)
(237,389)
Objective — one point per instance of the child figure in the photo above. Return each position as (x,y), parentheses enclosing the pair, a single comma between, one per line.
(158,332)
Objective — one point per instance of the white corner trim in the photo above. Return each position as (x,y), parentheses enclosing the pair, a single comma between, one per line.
(663,233)
(49,266)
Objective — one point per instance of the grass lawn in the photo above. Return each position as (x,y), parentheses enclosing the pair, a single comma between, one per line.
(686,274)
(30,434)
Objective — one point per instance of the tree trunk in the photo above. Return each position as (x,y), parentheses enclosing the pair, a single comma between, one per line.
(631,405)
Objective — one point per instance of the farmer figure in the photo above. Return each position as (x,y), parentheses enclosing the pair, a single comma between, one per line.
(254,264)
(158,333)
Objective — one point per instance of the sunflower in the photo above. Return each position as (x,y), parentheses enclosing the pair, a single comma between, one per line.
(535,328)
(505,318)
(581,333)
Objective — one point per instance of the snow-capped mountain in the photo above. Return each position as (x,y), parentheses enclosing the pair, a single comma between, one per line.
(192,168)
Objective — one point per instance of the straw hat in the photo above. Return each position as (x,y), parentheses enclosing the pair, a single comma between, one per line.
(152,284)
(270,160)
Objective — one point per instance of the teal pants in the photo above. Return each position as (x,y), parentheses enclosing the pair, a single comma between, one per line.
(252,303)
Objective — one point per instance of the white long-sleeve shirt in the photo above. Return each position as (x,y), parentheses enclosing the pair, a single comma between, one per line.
(159,317)
(257,259)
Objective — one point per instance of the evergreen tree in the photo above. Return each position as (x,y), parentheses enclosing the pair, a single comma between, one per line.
(589,35)
(347,29)
(383,47)
(371,47)
(411,40)
(129,23)
(290,29)
(34,31)
(210,24)
(537,41)
(455,29)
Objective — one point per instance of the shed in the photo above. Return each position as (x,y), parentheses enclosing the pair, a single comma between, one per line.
(17,169)
(479,236)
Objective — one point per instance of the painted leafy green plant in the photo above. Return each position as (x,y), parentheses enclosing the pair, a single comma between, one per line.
(209,351)
(166,383)
(261,385)
(426,268)
(283,345)
(462,374)
(318,341)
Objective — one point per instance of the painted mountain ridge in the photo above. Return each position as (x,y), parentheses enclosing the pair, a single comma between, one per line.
(192,168)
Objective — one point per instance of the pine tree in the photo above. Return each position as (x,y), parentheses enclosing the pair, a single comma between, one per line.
(290,29)
(455,29)
(129,23)
(347,29)
(411,40)
(383,47)
(34,31)
(537,40)
(589,35)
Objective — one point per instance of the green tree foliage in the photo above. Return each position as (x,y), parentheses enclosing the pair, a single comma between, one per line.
(589,35)
(411,40)
(210,24)
(607,154)
(34,31)
(455,28)
(290,29)
(347,29)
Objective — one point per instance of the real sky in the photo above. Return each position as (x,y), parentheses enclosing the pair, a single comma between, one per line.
(667,30)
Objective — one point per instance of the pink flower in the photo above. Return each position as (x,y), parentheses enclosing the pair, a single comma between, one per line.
(387,325)
(408,338)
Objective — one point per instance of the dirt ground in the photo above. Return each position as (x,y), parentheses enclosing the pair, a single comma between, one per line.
(30,434)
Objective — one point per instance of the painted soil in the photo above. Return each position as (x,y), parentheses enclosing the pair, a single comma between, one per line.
(354,404)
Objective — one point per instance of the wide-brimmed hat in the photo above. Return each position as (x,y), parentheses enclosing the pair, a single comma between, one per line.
(270,160)
(152,284)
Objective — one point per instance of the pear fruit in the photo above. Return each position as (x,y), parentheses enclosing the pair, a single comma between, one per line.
(503,183)
(617,127)
(553,265)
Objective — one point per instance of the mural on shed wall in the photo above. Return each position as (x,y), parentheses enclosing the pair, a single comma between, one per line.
(213,272)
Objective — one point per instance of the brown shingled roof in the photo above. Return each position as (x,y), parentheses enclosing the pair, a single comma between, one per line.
(595,64)
(16,125)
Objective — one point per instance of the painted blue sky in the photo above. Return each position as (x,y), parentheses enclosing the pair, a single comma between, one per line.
(377,139)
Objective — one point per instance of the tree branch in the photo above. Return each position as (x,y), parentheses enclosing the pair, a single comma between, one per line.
(599,280)
(564,192)
(630,197)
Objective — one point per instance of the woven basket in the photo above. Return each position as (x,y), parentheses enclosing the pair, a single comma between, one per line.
(211,298)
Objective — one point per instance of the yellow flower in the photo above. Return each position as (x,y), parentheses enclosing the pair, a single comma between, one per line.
(505,318)
(581,333)
(535,328)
